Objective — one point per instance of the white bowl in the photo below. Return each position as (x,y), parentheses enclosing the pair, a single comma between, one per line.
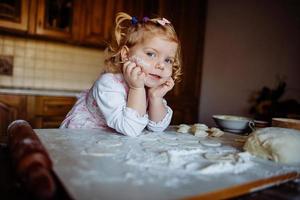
(232,123)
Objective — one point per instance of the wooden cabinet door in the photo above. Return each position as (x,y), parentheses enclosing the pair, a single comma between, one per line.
(49,112)
(14,15)
(7,115)
(188,18)
(18,102)
(53,106)
(12,107)
(55,18)
(97,20)
(141,8)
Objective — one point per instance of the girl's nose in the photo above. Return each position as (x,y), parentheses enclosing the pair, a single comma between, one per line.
(160,66)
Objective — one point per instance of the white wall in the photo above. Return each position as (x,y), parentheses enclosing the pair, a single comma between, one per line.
(248,43)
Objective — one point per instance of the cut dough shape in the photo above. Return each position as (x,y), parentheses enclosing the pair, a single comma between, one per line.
(200,133)
(277,144)
(198,126)
(215,132)
(219,156)
(192,166)
(98,151)
(96,154)
(109,143)
(183,128)
(210,143)
(169,142)
(199,130)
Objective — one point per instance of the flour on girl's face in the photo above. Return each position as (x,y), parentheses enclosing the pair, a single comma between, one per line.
(139,61)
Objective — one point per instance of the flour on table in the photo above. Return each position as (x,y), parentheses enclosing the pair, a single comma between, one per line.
(170,157)
(231,166)
(110,142)
(171,142)
(98,151)
(184,154)
(103,148)
(162,161)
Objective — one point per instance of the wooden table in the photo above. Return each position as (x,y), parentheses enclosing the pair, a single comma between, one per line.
(79,171)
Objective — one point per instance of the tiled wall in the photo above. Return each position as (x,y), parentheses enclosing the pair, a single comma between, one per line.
(48,65)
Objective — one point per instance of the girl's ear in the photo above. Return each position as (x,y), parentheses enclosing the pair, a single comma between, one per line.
(124,53)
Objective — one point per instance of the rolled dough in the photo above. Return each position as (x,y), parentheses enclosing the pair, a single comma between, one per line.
(277,144)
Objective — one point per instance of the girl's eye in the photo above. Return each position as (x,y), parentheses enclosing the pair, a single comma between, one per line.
(151,54)
(169,61)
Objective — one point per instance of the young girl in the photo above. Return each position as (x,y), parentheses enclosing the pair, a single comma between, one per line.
(142,64)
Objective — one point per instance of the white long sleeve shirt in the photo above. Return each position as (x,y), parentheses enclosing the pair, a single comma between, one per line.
(104,106)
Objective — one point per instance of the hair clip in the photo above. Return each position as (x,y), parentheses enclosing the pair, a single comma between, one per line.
(145,19)
(134,20)
(163,21)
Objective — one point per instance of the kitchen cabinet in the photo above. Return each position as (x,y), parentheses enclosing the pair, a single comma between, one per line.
(56,18)
(51,111)
(14,15)
(12,107)
(7,115)
(96,21)
(97,17)
(81,22)
(39,111)
(85,22)
(47,18)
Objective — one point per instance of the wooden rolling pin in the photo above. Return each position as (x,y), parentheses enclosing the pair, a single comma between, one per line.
(32,163)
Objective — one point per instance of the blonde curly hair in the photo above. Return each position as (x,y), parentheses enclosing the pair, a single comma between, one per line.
(129,33)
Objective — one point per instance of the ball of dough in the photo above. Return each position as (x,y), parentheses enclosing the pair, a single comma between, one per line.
(277,144)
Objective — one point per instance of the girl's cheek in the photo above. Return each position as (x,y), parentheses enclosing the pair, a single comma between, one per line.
(168,73)
(141,62)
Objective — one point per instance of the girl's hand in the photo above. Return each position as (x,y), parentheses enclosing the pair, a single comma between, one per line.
(133,75)
(161,90)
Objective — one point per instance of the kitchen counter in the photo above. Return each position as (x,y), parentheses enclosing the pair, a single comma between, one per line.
(39,92)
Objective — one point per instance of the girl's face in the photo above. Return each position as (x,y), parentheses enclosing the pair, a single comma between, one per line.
(156,57)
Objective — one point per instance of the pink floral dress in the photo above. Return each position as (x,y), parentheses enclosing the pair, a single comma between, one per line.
(104,106)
